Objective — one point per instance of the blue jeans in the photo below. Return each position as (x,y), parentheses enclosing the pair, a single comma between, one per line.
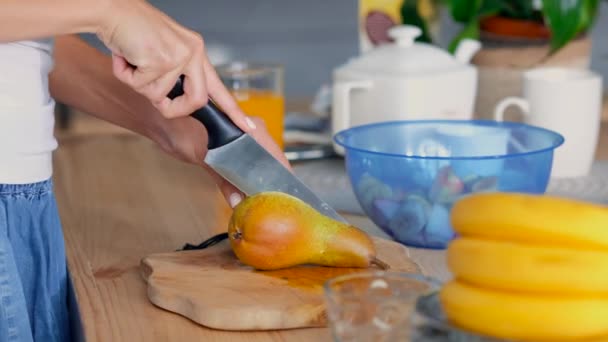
(33,272)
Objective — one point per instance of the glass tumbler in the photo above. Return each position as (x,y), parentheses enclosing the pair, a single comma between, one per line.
(375,306)
(259,90)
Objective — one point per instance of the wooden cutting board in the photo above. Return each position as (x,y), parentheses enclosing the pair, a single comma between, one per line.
(211,287)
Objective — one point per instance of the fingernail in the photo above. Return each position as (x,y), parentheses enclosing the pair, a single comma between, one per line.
(234,199)
(250,123)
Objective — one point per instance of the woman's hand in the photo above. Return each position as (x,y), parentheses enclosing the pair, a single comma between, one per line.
(82,78)
(140,35)
(149,53)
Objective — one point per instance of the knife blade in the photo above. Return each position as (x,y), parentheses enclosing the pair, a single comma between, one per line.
(238,158)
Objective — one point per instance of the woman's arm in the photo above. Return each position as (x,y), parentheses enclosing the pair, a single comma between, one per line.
(82,78)
(139,35)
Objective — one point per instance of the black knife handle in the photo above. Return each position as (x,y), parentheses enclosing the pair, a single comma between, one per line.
(220,129)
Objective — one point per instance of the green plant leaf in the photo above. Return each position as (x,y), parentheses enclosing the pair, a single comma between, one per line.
(471,30)
(563,19)
(527,8)
(465,10)
(509,11)
(519,9)
(588,15)
(490,7)
(411,16)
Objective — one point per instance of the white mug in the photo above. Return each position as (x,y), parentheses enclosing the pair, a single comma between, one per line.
(569,102)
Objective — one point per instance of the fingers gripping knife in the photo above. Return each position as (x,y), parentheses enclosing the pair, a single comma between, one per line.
(238,158)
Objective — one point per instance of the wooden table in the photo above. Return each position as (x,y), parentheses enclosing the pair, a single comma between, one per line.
(120,199)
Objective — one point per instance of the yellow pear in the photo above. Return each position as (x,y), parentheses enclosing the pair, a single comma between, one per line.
(274,230)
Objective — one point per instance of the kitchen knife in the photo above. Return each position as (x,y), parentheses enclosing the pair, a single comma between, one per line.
(238,158)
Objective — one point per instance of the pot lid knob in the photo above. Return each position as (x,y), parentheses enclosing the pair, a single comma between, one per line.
(404,35)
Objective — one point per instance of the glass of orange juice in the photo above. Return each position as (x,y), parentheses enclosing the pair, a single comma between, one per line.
(258,89)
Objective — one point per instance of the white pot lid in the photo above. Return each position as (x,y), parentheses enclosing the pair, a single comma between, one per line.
(404,56)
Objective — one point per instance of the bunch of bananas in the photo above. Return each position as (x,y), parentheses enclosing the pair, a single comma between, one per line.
(528,267)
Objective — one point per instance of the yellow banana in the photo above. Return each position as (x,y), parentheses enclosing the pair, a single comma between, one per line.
(525,317)
(529,268)
(536,219)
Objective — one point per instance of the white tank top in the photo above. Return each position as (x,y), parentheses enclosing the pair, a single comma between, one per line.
(26,112)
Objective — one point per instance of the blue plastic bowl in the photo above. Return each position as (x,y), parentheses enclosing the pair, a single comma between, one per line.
(408,174)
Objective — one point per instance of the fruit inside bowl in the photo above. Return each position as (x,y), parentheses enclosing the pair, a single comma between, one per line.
(406,175)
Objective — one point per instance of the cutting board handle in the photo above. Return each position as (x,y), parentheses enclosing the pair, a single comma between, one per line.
(220,129)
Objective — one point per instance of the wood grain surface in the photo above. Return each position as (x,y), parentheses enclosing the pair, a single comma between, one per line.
(214,289)
(121,199)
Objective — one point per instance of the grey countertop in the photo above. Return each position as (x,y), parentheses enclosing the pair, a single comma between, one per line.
(328,178)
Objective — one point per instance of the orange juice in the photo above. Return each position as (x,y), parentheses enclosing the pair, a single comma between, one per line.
(267,105)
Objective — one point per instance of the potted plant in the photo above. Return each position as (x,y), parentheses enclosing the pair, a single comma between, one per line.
(516,35)
(556,21)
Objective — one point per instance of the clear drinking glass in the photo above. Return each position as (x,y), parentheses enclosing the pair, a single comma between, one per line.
(375,306)
(259,90)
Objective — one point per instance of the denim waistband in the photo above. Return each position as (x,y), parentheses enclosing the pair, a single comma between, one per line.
(32,189)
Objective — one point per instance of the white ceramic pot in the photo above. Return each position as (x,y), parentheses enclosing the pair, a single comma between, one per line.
(406,80)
